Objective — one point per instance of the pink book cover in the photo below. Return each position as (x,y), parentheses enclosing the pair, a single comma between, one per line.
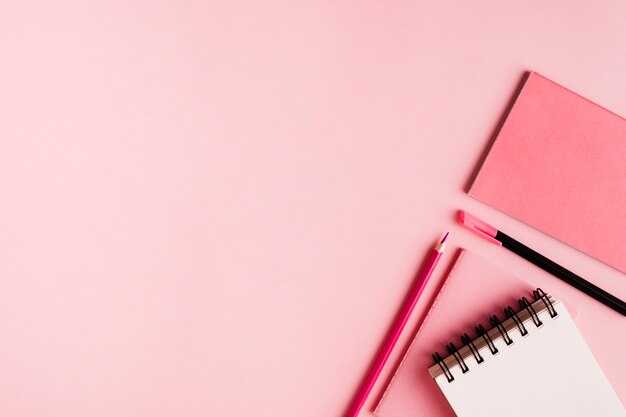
(558,164)
(473,291)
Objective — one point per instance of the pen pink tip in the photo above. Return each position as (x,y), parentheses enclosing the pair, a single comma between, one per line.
(445,237)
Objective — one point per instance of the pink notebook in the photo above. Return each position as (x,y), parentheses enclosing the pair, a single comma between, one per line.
(558,164)
(473,291)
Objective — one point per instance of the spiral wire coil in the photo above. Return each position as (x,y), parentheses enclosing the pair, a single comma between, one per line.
(496,323)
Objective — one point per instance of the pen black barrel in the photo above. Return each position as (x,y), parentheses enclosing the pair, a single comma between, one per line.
(562,273)
(583,285)
(574,280)
(577,282)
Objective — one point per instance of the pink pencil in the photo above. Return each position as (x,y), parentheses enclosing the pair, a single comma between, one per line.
(397,328)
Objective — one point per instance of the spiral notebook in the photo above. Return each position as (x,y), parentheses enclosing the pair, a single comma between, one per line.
(533,358)
(472,292)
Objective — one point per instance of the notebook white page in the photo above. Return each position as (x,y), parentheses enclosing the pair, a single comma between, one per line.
(550,372)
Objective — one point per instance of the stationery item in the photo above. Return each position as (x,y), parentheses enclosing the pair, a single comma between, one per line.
(475,289)
(498,237)
(535,357)
(557,164)
(396,330)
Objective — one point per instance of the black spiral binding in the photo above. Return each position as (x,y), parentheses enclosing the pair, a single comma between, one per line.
(455,352)
(444,368)
(524,303)
(472,347)
(510,313)
(495,322)
(538,294)
(481,331)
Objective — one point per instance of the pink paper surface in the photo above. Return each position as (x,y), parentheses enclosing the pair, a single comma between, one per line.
(473,291)
(558,164)
(216,208)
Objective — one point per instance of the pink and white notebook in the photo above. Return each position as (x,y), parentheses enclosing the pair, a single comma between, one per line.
(472,293)
(558,164)
(533,356)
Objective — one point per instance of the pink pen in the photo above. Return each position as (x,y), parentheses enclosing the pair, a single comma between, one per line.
(398,326)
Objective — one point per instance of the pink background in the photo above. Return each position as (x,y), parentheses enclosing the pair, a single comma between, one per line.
(215,208)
